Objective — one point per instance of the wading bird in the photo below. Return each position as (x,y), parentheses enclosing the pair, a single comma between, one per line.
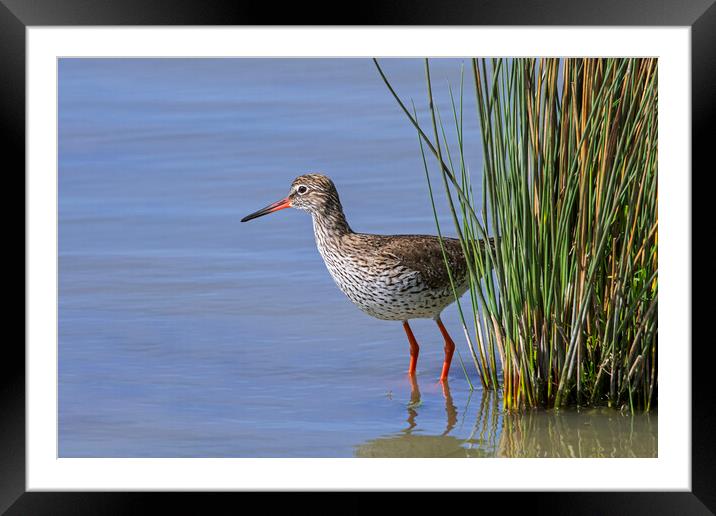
(391,277)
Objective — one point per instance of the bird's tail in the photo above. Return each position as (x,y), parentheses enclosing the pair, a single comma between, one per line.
(492,241)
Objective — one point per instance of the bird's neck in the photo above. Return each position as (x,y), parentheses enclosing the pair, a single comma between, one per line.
(330,224)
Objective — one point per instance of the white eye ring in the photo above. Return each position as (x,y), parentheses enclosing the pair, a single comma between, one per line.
(302,189)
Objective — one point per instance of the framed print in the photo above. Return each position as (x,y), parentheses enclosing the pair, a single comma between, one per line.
(478,193)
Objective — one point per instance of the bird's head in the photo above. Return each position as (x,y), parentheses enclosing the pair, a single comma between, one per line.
(314,193)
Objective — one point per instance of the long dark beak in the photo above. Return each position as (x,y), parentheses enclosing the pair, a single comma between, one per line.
(278,205)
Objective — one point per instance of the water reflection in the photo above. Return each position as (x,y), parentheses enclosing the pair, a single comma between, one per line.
(410,442)
(598,432)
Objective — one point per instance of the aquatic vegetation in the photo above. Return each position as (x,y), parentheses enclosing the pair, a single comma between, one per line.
(564,308)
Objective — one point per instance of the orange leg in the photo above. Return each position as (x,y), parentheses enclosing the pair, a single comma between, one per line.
(449,350)
(414,349)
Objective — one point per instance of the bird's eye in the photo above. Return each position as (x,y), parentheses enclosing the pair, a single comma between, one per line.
(302,189)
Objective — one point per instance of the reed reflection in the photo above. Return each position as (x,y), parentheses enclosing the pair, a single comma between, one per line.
(483,429)
(596,432)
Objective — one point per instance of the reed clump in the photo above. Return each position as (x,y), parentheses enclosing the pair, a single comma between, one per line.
(564,305)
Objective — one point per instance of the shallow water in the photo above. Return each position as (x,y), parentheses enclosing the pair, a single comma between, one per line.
(184,333)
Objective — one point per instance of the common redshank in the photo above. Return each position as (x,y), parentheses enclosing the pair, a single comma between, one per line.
(391,277)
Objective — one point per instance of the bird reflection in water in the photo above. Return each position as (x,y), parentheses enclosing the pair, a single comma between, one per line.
(410,442)
(415,402)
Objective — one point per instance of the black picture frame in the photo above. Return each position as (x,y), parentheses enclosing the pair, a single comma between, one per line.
(17,15)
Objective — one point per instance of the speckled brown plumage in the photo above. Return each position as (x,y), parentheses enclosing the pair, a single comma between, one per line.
(424,254)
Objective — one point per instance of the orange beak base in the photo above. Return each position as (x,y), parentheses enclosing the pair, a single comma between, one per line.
(278,205)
